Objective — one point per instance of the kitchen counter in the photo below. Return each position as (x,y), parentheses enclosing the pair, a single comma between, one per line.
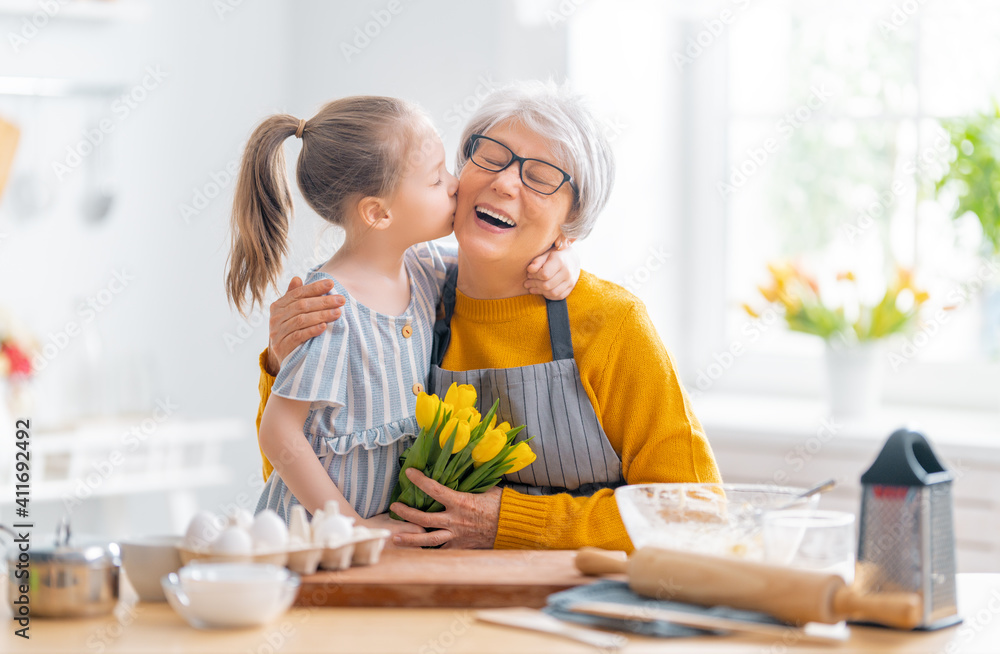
(143,627)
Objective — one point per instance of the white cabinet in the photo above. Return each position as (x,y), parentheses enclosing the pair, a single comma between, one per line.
(790,441)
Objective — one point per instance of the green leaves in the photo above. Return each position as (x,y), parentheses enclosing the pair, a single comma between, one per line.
(974,175)
(456,470)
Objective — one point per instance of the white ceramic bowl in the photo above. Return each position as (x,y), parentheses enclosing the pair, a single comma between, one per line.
(719,519)
(146,560)
(219,595)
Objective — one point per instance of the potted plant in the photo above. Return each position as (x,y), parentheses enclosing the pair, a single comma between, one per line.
(852,328)
(973,178)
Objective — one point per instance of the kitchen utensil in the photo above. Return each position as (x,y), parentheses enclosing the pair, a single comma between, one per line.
(447,578)
(812,540)
(217,595)
(30,193)
(535,620)
(146,560)
(707,622)
(721,519)
(98,193)
(9,136)
(907,535)
(72,577)
(818,489)
(796,596)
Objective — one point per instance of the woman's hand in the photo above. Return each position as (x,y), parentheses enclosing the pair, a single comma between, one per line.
(298,315)
(469,520)
(554,273)
(383,521)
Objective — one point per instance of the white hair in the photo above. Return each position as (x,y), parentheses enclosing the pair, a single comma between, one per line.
(575,136)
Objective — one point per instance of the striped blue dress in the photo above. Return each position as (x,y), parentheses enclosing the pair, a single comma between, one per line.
(360,377)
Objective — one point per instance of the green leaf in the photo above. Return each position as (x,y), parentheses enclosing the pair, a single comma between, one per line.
(442,460)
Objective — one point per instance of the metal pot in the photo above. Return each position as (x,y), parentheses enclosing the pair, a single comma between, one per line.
(66,579)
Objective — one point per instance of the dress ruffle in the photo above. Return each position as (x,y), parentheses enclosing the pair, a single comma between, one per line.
(374,438)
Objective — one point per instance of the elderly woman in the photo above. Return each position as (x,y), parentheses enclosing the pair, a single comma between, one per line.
(588,375)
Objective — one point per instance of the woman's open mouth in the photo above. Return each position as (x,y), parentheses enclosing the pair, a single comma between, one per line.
(494,218)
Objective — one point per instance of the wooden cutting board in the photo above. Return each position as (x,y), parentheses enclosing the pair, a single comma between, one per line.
(447,578)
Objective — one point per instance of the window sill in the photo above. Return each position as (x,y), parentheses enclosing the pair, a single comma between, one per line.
(732,417)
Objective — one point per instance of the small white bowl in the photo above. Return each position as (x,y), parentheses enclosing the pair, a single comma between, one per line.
(146,560)
(220,595)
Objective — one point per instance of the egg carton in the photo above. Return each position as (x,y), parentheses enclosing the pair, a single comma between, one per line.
(331,542)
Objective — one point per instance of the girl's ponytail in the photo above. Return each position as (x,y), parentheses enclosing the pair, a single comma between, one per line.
(353,148)
(262,206)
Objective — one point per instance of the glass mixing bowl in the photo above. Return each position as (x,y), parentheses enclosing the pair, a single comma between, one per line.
(719,519)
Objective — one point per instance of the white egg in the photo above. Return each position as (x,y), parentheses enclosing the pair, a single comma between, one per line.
(269,532)
(233,541)
(333,529)
(204,528)
(298,529)
(241,518)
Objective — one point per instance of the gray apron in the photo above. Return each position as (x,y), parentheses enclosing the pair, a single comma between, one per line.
(574,455)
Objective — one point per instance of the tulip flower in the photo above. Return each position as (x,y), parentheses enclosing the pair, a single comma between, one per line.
(489,446)
(521,456)
(427,407)
(460,397)
(462,436)
(458,449)
(800,298)
(449,429)
(469,415)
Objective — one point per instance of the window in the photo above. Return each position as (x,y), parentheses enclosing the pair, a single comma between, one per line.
(833,147)
(780,128)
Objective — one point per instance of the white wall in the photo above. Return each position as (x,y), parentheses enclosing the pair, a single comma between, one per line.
(222,74)
(164,334)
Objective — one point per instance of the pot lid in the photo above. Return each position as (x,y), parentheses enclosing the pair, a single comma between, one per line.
(63,548)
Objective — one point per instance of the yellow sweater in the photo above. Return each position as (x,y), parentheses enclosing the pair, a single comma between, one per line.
(630,379)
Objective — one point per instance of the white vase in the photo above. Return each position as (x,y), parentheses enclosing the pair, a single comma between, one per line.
(854,379)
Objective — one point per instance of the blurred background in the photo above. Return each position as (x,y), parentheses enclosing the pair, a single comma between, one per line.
(853,146)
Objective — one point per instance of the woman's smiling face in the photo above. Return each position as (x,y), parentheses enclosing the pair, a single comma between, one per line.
(523,223)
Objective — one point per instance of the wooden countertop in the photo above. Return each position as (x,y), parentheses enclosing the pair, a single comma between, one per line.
(138,628)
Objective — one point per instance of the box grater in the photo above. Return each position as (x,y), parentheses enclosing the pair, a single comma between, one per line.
(907,534)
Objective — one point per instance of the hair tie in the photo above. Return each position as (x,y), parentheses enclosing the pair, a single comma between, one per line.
(301,128)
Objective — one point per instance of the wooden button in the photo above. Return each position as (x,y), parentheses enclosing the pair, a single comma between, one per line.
(418,389)
(407,331)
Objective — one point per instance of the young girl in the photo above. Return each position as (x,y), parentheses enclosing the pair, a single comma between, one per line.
(375,167)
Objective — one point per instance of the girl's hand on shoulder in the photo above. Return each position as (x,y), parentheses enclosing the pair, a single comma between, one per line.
(554,274)
(383,521)
(298,315)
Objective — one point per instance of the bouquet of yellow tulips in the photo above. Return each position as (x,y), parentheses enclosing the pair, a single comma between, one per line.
(459,448)
(806,310)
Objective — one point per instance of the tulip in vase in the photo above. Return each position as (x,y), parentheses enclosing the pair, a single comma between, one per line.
(854,331)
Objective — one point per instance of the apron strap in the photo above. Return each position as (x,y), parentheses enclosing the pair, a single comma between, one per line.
(442,326)
(558,314)
(559,334)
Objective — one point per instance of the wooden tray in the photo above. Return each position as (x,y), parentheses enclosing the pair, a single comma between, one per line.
(447,578)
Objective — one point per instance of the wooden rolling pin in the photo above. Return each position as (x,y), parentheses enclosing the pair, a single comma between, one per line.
(796,596)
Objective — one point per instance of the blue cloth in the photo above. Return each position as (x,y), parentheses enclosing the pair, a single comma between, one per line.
(618,592)
(359,377)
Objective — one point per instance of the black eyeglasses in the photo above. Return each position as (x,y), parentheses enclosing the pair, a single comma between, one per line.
(540,176)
